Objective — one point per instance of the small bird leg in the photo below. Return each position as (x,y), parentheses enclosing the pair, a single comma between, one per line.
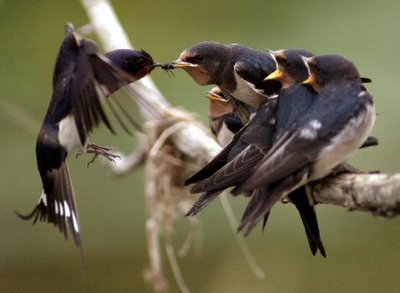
(100,150)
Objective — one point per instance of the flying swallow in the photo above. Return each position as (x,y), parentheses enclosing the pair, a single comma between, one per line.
(82,79)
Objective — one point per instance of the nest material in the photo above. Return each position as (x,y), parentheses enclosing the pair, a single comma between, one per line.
(166,197)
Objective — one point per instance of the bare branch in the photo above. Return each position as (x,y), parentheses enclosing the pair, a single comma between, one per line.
(375,193)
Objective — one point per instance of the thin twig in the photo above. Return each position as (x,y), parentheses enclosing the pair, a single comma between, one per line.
(244,249)
(175,269)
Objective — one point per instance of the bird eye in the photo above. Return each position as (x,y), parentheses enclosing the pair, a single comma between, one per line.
(317,70)
(284,62)
(141,61)
(199,57)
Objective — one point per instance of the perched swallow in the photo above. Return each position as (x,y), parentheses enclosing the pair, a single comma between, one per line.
(268,125)
(293,103)
(258,136)
(291,70)
(337,124)
(82,79)
(224,125)
(247,138)
(237,70)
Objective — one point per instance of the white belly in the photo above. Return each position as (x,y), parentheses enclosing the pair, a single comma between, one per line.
(247,93)
(344,144)
(224,136)
(68,134)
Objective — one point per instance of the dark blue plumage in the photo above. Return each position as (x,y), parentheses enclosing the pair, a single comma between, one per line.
(336,124)
(238,71)
(82,79)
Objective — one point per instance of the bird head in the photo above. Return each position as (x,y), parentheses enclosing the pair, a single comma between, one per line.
(203,61)
(218,105)
(290,66)
(329,68)
(137,63)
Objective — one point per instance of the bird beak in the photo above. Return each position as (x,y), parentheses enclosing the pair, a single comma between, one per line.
(305,60)
(366,80)
(276,75)
(311,78)
(310,81)
(156,64)
(215,97)
(179,63)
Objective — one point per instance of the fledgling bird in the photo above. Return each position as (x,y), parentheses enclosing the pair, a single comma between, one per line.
(336,124)
(293,103)
(237,70)
(258,136)
(256,139)
(252,142)
(224,123)
(295,98)
(291,70)
(82,79)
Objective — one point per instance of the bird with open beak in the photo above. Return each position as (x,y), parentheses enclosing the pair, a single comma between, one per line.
(223,121)
(293,102)
(82,79)
(339,134)
(237,70)
(291,70)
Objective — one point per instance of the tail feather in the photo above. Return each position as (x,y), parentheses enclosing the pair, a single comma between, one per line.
(205,199)
(259,212)
(56,204)
(309,218)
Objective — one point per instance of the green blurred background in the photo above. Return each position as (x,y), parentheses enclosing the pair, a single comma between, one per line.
(363,251)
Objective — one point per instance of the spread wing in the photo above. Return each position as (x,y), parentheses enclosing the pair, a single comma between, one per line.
(94,79)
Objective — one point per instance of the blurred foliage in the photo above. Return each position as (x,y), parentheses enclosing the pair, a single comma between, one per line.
(362,250)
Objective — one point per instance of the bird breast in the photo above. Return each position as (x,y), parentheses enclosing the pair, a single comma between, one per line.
(68,134)
(345,143)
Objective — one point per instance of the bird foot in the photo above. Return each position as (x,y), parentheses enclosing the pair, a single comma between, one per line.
(99,150)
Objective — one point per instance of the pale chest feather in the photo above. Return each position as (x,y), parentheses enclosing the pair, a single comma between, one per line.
(247,93)
(224,135)
(68,134)
(345,143)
